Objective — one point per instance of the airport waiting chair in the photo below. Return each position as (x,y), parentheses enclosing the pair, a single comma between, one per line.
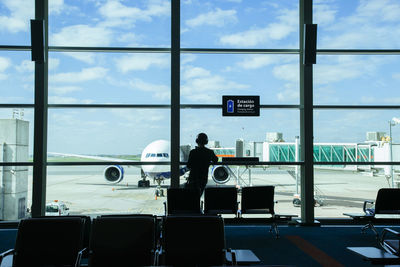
(125,240)
(220,200)
(182,201)
(387,203)
(87,221)
(259,200)
(50,241)
(390,241)
(194,241)
(388,254)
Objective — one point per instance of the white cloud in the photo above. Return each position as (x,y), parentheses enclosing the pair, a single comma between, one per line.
(68,100)
(396,76)
(56,6)
(195,72)
(82,35)
(160,91)
(324,14)
(257,61)
(61,90)
(288,95)
(117,14)
(86,74)
(217,18)
(287,23)
(21,11)
(141,62)
(200,85)
(26,66)
(4,63)
(365,27)
(288,72)
(53,63)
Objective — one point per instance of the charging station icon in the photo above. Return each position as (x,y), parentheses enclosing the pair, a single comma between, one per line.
(230,106)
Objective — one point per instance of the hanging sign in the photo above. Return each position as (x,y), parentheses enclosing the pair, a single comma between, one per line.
(240,105)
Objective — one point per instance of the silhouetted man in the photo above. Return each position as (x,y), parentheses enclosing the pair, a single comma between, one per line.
(199,160)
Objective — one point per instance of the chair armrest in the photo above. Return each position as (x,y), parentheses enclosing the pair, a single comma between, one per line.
(165,208)
(387,231)
(229,253)
(5,254)
(365,205)
(79,257)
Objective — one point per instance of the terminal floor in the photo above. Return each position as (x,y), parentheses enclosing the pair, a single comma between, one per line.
(297,245)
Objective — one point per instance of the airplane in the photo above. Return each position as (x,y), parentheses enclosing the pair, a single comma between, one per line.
(156,151)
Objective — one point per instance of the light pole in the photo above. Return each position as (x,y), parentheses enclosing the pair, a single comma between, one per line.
(394,121)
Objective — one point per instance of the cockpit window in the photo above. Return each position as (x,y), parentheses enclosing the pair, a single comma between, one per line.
(159,155)
(153,155)
(147,155)
(165,155)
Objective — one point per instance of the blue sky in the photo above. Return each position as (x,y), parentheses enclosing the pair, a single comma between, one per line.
(145,78)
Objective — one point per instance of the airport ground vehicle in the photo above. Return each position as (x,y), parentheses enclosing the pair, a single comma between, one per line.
(56,208)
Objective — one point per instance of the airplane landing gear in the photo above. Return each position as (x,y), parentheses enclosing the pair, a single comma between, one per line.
(159,192)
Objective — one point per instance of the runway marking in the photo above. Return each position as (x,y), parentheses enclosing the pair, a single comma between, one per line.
(317,254)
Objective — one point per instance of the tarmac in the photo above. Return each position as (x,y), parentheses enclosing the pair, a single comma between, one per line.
(85,191)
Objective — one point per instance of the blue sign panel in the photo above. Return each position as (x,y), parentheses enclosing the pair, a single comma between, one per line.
(240,105)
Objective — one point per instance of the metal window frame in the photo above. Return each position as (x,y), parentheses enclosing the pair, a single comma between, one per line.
(306,106)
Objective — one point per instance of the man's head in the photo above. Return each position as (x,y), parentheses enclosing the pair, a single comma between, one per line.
(202,139)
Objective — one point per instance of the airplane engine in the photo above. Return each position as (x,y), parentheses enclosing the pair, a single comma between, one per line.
(220,174)
(114,174)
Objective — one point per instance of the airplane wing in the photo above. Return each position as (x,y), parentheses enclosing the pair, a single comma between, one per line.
(91,157)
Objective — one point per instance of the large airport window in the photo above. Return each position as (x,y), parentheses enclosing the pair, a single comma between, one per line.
(110,23)
(240,24)
(87,78)
(356,80)
(106,132)
(357,24)
(206,78)
(16,78)
(15,19)
(16,134)
(276,125)
(85,190)
(334,188)
(15,192)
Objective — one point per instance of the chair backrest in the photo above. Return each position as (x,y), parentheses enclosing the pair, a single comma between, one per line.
(194,240)
(388,201)
(87,221)
(122,241)
(183,201)
(219,200)
(258,199)
(48,241)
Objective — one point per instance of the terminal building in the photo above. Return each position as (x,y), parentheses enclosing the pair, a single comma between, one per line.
(307,88)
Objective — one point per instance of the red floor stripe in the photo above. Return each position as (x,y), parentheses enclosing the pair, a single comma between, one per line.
(317,254)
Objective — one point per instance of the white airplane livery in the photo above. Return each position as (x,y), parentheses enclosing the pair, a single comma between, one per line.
(157,151)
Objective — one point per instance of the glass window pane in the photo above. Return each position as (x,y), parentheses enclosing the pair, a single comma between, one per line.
(16,78)
(360,135)
(110,23)
(113,132)
(335,194)
(15,192)
(85,78)
(226,130)
(240,24)
(84,190)
(370,24)
(356,80)
(206,78)
(15,19)
(16,135)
